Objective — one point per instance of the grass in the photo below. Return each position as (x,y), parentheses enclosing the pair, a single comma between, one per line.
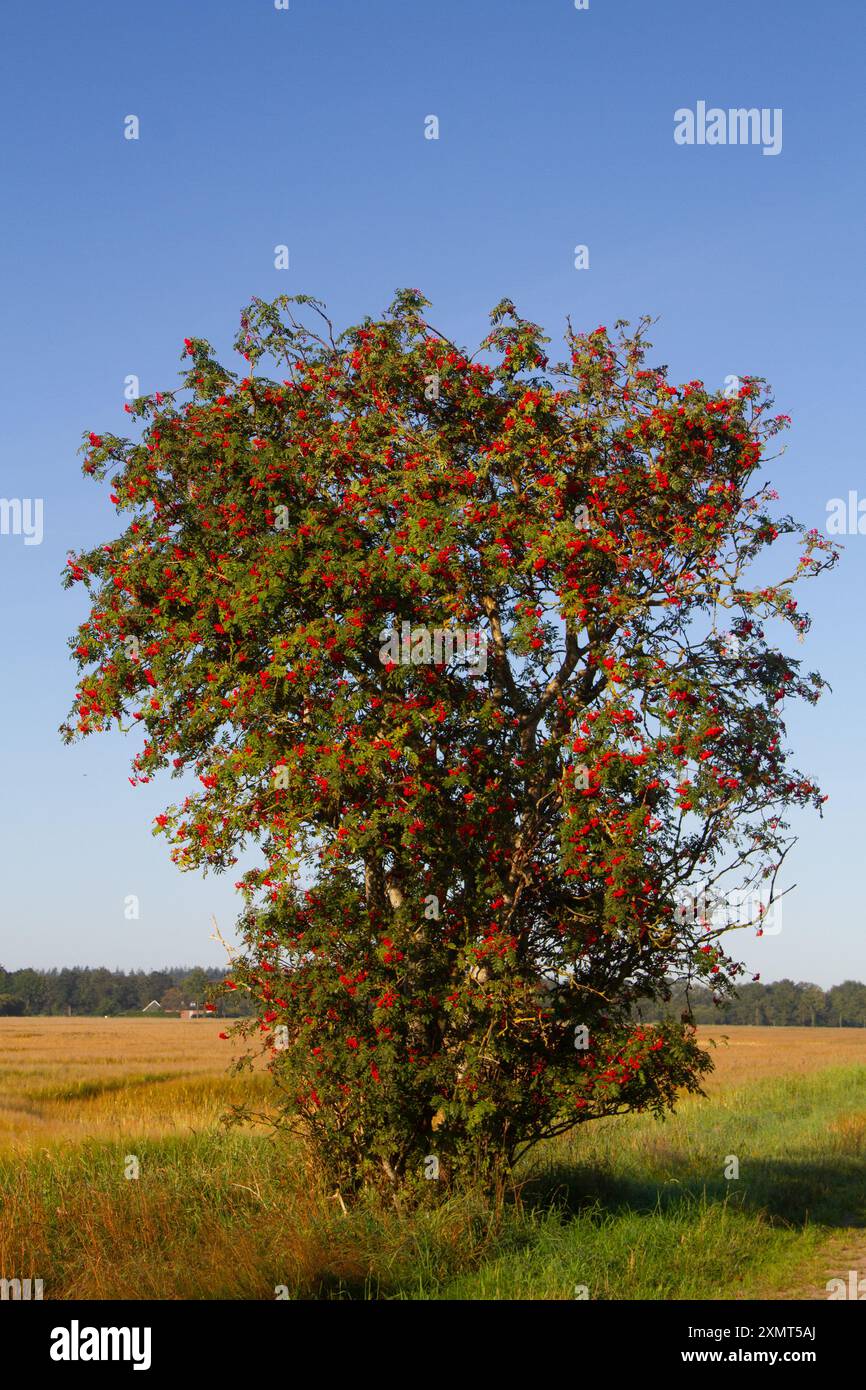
(633,1209)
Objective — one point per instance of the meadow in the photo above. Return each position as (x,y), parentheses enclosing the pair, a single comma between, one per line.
(632,1208)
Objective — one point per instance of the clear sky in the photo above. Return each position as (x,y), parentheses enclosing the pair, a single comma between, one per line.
(306,127)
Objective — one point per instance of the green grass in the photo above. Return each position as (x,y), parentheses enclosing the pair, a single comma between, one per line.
(634,1209)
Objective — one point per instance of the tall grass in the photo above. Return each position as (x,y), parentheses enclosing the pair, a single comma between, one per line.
(634,1208)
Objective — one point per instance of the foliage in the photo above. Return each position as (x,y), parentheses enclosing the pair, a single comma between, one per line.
(84,990)
(783,1004)
(471,853)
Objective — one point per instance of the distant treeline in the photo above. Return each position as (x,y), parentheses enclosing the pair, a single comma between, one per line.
(82,990)
(783,1003)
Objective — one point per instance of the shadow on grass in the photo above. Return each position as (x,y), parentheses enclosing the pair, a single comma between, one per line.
(793,1192)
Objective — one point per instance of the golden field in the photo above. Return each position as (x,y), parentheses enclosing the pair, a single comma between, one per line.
(70,1079)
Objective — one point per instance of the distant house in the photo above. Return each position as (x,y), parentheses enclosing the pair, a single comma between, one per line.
(193,1012)
(152,1007)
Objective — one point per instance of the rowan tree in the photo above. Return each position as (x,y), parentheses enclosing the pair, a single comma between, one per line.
(472,871)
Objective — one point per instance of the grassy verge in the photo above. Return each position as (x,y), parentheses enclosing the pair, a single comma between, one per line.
(635,1209)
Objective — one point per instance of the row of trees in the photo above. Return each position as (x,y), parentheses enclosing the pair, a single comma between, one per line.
(783,1003)
(82,990)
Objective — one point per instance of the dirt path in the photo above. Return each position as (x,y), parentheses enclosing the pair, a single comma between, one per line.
(844,1253)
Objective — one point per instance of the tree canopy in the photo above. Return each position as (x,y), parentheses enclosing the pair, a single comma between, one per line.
(473,648)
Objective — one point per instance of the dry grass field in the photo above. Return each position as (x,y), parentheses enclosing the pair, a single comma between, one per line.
(73,1079)
(745,1054)
(634,1208)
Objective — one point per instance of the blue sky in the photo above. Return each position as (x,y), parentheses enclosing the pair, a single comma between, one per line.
(305,127)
